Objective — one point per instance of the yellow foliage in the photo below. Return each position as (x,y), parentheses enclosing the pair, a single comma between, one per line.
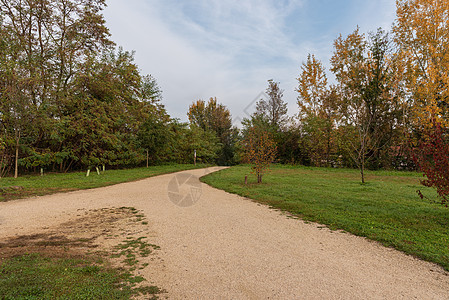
(422,33)
(312,86)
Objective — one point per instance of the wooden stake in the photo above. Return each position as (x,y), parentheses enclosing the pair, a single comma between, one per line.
(148,158)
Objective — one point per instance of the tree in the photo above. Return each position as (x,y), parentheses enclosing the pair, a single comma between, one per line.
(274,109)
(312,87)
(15,106)
(190,138)
(421,32)
(197,114)
(215,117)
(317,110)
(290,148)
(47,42)
(259,149)
(154,137)
(371,96)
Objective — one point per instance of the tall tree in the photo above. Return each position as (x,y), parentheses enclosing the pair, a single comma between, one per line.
(365,70)
(215,117)
(312,87)
(317,110)
(197,114)
(16,109)
(50,40)
(273,109)
(422,34)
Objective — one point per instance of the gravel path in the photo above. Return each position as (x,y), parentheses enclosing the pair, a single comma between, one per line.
(228,247)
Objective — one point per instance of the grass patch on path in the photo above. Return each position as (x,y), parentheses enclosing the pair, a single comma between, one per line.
(385,209)
(81,259)
(33,276)
(35,185)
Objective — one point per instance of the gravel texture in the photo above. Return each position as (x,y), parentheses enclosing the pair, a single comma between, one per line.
(216,245)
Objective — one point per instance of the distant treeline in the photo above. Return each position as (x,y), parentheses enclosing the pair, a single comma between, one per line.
(72,100)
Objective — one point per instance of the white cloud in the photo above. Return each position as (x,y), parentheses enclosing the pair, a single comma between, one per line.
(228,48)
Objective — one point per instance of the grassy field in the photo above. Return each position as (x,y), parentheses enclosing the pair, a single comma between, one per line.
(386,209)
(35,185)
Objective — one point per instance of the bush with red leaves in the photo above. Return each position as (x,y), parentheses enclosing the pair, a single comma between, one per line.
(432,157)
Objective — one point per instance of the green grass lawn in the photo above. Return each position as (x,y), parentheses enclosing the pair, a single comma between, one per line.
(32,185)
(36,277)
(386,209)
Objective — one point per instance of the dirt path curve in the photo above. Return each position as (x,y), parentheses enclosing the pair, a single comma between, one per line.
(227,247)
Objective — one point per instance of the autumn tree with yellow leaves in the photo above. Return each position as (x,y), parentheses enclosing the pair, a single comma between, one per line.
(368,75)
(317,110)
(422,35)
(259,150)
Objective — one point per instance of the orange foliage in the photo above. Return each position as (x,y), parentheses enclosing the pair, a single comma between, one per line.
(259,150)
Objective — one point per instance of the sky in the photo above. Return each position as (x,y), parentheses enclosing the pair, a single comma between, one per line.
(229,49)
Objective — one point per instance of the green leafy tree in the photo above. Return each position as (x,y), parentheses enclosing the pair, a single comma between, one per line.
(215,117)
(154,137)
(47,42)
(186,139)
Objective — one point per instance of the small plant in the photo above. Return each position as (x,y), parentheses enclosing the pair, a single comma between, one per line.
(130,247)
(259,149)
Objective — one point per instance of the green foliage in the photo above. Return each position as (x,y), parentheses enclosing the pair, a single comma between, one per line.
(154,137)
(216,118)
(191,138)
(69,100)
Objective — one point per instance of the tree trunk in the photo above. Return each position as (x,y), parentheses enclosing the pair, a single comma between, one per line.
(362,157)
(328,150)
(16,160)
(362,168)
